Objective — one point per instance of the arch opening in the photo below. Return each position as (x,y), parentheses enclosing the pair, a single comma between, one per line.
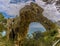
(35,26)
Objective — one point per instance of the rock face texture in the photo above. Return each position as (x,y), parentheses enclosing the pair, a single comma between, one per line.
(49,1)
(18,28)
(58,5)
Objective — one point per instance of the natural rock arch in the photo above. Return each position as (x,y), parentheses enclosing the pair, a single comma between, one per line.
(30,13)
(35,26)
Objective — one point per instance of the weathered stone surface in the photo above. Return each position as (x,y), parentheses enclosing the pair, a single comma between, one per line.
(18,27)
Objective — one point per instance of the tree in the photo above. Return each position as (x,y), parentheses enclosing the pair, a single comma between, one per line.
(3,22)
(37,35)
(1,17)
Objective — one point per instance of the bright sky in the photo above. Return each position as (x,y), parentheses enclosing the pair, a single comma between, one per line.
(13,9)
(35,26)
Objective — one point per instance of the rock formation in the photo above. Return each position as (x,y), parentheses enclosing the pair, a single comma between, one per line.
(17,28)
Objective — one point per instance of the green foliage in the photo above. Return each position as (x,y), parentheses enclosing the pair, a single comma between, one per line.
(3,22)
(46,38)
(37,35)
(4,42)
(1,27)
(53,32)
(58,44)
(38,38)
(1,17)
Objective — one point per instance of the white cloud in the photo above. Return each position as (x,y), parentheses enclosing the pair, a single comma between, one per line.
(50,10)
(13,9)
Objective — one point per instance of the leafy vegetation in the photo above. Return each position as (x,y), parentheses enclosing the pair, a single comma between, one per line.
(3,22)
(1,17)
(40,39)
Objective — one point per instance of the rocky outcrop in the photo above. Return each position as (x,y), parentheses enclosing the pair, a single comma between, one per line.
(18,27)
